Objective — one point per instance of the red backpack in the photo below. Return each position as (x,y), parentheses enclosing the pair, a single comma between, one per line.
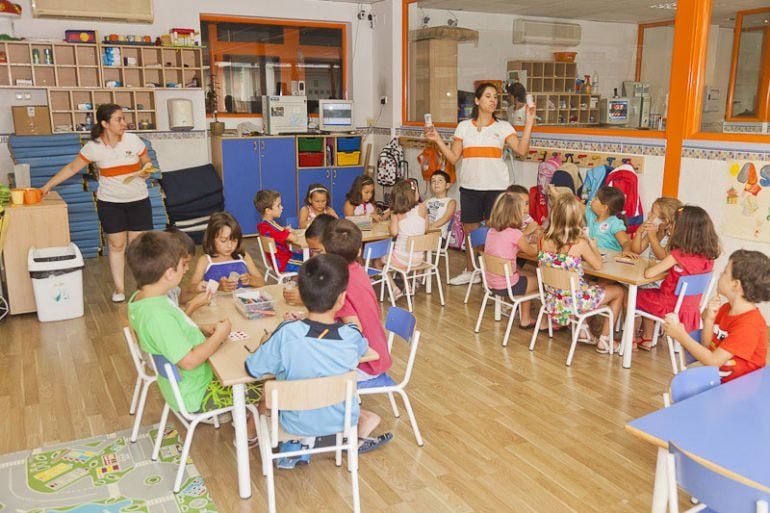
(538,206)
(624,178)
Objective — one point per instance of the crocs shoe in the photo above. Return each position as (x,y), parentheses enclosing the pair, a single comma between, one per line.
(288,463)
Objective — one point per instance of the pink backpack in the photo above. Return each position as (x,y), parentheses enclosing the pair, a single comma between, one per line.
(456,238)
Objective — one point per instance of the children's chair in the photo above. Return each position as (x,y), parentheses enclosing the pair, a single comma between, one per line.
(475,239)
(302,395)
(418,244)
(4,220)
(144,378)
(691,382)
(293,222)
(374,251)
(267,247)
(566,282)
(402,323)
(444,251)
(692,285)
(169,371)
(501,267)
(717,489)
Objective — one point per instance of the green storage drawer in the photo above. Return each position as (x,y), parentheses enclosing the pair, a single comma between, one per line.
(310,143)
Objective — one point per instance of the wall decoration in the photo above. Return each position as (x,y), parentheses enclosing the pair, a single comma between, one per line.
(747,201)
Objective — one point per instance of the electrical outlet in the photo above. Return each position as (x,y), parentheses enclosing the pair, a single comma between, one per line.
(383,100)
(370,121)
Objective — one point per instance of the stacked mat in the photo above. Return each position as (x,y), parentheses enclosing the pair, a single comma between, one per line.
(192,195)
(46,155)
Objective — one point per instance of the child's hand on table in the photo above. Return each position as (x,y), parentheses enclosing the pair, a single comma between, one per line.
(291,295)
(223,328)
(246,279)
(201,299)
(227,284)
(631,255)
(202,286)
(673,327)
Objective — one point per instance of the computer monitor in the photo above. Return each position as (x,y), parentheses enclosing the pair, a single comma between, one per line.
(335,115)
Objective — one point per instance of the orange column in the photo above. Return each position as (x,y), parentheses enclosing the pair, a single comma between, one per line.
(686,87)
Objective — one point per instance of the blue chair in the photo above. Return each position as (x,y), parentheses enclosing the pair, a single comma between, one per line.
(693,285)
(691,382)
(374,251)
(716,488)
(402,323)
(169,371)
(475,239)
(293,222)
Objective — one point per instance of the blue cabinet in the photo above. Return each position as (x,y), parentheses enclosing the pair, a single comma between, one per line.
(337,179)
(248,165)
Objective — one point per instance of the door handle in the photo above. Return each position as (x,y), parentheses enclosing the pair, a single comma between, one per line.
(328,174)
(255,145)
(334,175)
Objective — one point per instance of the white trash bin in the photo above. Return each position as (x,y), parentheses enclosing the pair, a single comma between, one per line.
(57,279)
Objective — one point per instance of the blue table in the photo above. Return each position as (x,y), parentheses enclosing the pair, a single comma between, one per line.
(728,425)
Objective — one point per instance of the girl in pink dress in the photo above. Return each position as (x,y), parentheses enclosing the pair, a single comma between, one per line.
(317,202)
(693,247)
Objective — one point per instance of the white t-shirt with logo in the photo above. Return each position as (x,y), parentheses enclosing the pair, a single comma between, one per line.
(483,167)
(115,164)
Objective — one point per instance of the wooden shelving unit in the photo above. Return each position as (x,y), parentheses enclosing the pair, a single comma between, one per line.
(552,84)
(74,75)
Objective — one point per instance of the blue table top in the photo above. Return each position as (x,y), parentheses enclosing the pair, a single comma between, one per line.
(728,425)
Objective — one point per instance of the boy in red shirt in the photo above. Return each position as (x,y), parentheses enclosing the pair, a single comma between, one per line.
(268,204)
(734,336)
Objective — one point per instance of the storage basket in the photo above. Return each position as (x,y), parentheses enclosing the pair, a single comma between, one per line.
(310,143)
(348,143)
(254,304)
(351,158)
(311,159)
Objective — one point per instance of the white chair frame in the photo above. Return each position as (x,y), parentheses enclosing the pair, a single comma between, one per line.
(431,243)
(308,394)
(501,267)
(476,271)
(444,251)
(567,281)
(271,267)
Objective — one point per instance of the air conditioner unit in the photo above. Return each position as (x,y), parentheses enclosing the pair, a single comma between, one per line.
(116,10)
(538,32)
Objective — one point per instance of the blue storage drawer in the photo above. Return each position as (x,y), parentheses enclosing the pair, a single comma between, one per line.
(348,143)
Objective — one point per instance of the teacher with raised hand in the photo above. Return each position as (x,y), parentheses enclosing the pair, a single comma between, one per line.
(480,142)
(123,203)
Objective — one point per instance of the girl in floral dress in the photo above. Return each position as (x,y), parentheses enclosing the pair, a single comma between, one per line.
(566,246)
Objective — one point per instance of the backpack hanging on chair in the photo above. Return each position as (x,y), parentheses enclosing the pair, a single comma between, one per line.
(624,178)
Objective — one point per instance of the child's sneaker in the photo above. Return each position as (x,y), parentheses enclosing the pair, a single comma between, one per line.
(290,462)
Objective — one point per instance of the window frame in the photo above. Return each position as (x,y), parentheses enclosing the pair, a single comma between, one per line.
(763,97)
(213,47)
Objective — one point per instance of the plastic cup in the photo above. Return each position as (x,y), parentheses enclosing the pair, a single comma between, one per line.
(289,287)
(17,196)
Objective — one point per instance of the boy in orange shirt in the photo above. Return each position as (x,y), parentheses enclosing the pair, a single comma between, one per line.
(734,336)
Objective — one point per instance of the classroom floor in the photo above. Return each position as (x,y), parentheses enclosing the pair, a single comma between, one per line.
(505,429)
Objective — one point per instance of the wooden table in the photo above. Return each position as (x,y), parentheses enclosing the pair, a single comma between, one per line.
(228,363)
(379,231)
(631,274)
(41,225)
(726,425)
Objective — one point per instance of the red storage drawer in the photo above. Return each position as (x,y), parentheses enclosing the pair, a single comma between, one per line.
(311,158)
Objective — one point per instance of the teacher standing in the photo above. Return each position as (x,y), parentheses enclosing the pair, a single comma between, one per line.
(480,142)
(123,203)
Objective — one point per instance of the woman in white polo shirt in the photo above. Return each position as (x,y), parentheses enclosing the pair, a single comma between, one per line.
(123,203)
(480,142)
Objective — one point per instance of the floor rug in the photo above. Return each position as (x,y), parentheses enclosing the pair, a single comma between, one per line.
(104,474)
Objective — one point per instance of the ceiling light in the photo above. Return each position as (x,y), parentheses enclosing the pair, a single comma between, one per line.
(667,5)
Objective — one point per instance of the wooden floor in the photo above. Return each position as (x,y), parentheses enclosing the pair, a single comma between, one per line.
(505,429)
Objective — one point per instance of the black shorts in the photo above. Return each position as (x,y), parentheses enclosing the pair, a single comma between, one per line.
(518,290)
(134,216)
(476,206)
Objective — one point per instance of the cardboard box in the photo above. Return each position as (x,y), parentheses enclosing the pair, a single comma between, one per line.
(31,120)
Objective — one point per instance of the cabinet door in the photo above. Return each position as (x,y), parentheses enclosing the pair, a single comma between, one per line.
(309,176)
(240,176)
(278,171)
(342,180)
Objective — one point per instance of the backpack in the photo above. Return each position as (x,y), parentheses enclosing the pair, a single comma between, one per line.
(391,165)
(538,206)
(624,178)
(594,181)
(429,160)
(545,171)
(456,236)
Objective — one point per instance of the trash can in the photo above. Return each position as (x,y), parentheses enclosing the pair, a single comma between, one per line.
(57,280)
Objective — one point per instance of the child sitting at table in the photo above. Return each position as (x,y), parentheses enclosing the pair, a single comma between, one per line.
(342,237)
(693,247)
(440,207)
(314,347)
(360,200)
(224,258)
(157,262)
(654,233)
(317,202)
(734,335)
(313,235)
(191,299)
(268,204)
(565,246)
(605,220)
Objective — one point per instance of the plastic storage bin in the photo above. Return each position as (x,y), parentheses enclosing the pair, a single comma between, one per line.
(310,143)
(351,158)
(311,159)
(57,281)
(348,143)
(254,304)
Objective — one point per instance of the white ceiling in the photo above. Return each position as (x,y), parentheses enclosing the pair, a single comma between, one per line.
(630,11)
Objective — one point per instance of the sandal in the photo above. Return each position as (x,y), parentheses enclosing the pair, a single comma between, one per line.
(603,345)
(643,343)
(543,327)
(370,444)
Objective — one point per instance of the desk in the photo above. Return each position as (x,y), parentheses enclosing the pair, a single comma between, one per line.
(228,364)
(727,425)
(629,274)
(41,225)
(379,231)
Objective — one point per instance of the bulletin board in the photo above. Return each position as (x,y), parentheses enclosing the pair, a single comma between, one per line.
(747,201)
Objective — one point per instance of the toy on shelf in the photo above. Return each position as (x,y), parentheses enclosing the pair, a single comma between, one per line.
(183,37)
(80,36)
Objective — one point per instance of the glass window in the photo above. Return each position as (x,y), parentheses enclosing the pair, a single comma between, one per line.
(581,72)
(735,98)
(251,58)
